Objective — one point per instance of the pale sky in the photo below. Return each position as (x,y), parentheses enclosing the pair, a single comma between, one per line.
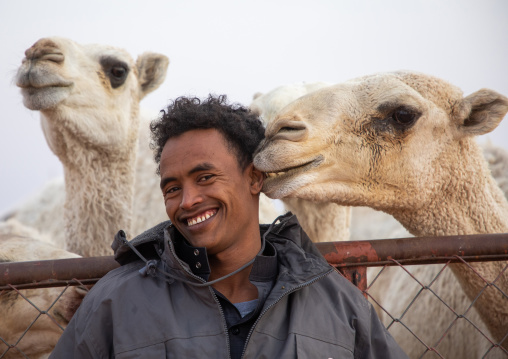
(243,47)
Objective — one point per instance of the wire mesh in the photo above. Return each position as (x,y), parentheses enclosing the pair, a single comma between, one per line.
(414,288)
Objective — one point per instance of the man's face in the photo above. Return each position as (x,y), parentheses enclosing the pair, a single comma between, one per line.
(209,198)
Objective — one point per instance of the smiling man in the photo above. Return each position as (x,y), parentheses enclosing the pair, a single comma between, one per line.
(212,282)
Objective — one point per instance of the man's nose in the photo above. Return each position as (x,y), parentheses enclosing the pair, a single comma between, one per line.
(190,196)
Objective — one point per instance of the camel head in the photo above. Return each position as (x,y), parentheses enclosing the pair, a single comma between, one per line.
(91,91)
(322,221)
(385,141)
(268,105)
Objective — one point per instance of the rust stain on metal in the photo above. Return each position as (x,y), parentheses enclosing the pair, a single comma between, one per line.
(353,252)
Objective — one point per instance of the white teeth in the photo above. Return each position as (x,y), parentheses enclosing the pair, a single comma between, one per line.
(199,219)
(274,174)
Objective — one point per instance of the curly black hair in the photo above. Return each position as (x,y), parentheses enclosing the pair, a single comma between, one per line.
(242,129)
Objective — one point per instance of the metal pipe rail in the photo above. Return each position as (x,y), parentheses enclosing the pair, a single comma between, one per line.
(351,257)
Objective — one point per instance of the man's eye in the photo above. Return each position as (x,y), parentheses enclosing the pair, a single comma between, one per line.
(171,190)
(204,178)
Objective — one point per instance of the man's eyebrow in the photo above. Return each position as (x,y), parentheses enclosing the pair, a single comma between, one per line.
(205,166)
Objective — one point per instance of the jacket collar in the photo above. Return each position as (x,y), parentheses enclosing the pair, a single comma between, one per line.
(177,248)
(292,248)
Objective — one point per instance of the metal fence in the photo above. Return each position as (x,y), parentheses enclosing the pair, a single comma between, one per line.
(411,282)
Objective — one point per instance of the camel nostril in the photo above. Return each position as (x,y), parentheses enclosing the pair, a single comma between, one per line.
(53,57)
(45,49)
(291,131)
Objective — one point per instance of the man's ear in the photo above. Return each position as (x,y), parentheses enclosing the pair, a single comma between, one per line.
(256,179)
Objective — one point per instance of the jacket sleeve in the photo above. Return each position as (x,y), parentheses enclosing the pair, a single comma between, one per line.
(88,334)
(374,341)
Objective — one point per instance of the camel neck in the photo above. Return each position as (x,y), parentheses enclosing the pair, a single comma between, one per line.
(466,201)
(99,184)
(469,201)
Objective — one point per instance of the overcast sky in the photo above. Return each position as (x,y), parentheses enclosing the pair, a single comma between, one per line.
(242,47)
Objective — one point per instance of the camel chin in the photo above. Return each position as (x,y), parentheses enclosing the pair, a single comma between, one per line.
(286,184)
(38,99)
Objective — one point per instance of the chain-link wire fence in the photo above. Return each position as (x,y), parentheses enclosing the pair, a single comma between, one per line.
(417,286)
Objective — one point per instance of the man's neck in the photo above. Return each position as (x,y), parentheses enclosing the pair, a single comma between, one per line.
(236,288)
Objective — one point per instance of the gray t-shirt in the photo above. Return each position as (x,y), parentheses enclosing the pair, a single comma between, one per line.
(246,307)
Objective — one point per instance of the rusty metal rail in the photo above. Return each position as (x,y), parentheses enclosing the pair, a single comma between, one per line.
(351,257)
(416,250)
(54,273)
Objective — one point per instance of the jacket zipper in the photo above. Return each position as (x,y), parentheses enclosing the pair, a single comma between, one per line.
(223,317)
(306,284)
(223,320)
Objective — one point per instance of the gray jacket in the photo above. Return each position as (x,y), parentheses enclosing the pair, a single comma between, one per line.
(311,312)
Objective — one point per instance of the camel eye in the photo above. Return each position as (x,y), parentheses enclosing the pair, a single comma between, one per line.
(117,75)
(403,116)
(118,71)
(288,129)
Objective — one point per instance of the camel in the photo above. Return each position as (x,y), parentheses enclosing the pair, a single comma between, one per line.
(322,221)
(375,128)
(20,243)
(88,97)
(319,219)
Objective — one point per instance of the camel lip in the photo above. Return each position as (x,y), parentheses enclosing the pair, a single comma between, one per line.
(41,87)
(33,79)
(30,86)
(288,172)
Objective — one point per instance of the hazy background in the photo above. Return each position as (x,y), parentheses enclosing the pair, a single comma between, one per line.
(242,47)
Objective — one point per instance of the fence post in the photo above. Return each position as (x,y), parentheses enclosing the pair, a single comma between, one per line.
(357,276)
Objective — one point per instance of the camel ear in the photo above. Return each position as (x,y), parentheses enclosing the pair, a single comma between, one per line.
(481,112)
(152,70)
(256,95)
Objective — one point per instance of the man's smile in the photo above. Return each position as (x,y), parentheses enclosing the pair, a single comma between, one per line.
(201,217)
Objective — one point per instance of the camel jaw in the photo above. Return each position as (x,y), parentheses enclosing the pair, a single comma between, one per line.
(282,182)
(38,99)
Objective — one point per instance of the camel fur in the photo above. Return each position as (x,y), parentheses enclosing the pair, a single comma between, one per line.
(19,243)
(361,143)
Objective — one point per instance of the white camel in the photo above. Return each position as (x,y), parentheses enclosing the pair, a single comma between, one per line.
(88,97)
(18,244)
(360,144)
